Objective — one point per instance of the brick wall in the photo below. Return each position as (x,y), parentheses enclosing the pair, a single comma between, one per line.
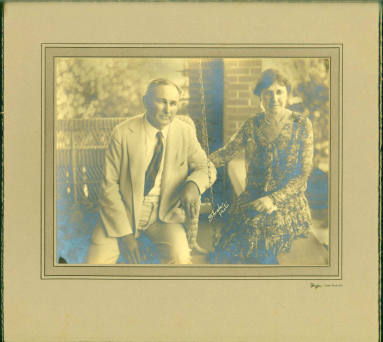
(212,71)
(240,76)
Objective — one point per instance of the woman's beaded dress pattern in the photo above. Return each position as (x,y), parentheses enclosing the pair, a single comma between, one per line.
(278,169)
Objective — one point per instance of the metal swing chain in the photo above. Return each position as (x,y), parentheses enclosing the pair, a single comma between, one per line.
(192,223)
(205,136)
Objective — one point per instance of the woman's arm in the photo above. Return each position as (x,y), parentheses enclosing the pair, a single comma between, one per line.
(299,182)
(233,146)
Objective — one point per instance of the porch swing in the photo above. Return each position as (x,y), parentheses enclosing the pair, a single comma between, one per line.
(191,225)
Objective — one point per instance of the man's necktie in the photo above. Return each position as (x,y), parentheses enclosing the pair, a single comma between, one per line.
(152,170)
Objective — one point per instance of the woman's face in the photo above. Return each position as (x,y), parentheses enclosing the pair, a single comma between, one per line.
(274,98)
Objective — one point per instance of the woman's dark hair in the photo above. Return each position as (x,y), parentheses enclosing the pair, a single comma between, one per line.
(268,77)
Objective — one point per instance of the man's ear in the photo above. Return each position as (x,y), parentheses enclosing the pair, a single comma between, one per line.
(261,105)
(145,100)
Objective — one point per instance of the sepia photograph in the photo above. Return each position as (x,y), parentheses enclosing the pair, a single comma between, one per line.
(192,160)
(191,172)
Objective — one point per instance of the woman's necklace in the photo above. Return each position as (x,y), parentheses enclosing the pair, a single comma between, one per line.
(273,125)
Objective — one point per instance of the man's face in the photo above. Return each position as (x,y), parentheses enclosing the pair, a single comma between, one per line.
(161,105)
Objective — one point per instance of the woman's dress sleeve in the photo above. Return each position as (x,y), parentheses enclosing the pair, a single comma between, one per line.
(298,183)
(232,147)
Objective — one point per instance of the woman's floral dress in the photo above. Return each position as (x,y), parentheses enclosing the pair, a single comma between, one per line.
(280,170)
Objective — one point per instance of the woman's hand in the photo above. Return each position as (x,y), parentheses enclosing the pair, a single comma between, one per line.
(264,204)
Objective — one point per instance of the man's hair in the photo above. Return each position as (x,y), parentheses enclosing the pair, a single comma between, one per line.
(159,82)
(268,77)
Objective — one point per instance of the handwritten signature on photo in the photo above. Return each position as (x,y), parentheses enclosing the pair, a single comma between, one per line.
(219,211)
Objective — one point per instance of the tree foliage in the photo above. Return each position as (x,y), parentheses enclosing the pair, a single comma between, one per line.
(109,87)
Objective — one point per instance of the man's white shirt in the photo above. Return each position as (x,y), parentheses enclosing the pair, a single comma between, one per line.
(150,144)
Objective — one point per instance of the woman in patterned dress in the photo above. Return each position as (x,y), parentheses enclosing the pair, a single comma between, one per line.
(273,210)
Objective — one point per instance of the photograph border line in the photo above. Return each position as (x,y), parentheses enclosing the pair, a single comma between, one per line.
(54,275)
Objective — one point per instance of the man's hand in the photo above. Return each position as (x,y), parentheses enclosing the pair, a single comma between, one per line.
(190,199)
(130,249)
(264,204)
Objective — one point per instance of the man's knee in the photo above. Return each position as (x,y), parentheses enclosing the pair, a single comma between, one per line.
(178,251)
(103,249)
(179,255)
(102,254)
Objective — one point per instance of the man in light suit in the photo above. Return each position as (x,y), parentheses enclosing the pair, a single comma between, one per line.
(155,172)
